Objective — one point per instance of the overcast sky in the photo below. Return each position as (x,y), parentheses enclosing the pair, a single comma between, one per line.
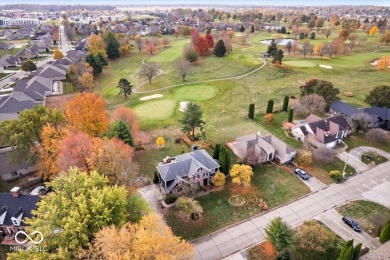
(202,2)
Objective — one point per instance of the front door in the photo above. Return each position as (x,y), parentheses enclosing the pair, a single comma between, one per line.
(205,182)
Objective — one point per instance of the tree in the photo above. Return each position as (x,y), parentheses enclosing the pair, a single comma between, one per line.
(139,42)
(352,40)
(242,28)
(264,250)
(23,133)
(321,87)
(150,48)
(385,233)
(149,71)
(319,49)
(278,57)
(127,115)
(220,49)
(327,33)
(57,54)
(201,46)
(210,40)
(337,176)
(112,45)
(361,122)
(269,118)
(349,252)
(385,38)
(86,112)
(306,47)
(29,65)
(217,150)
(190,54)
(314,238)
(97,62)
(251,111)
(183,68)
(272,48)
(189,206)
(165,42)
(122,131)
(285,103)
(290,115)
(218,179)
(90,205)
(85,81)
(344,34)
(192,118)
(289,47)
(241,174)
(379,96)
(377,135)
(313,102)
(96,45)
(382,64)
(151,238)
(304,158)
(373,30)
(160,141)
(323,154)
(124,87)
(338,46)
(138,207)
(225,159)
(279,234)
(270,106)
(329,49)
(312,35)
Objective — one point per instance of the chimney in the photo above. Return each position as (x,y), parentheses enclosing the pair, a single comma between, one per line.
(15,192)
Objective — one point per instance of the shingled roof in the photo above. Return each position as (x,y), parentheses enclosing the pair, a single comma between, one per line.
(14,206)
(344,108)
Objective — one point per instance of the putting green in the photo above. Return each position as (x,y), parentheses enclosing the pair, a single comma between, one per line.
(300,63)
(172,53)
(156,110)
(196,92)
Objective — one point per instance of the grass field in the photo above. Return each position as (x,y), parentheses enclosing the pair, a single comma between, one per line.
(156,110)
(171,53)
(195,92)
(358,139)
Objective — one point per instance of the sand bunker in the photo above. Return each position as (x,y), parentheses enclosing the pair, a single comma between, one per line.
(326,66)
(151,97)
(183,106)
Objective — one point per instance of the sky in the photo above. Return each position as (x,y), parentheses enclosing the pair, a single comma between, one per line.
(203,2)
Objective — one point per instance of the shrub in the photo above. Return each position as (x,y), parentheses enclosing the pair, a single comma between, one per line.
(156,179)
(170,199)
(304,158)
(191,55)
(385,233)
(189,205)
(337,176)
(251,111)
(269,118)
(348,94)
(264,250)
(219,179)
(377,135)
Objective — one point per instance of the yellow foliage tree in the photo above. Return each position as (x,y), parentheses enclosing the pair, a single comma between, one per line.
(219,179)
(86,81)
(241,174)
(96,45)
(383,63)
(150,239)
(373,30)
(304,158)
(319,49)
(57,54)
(160,141)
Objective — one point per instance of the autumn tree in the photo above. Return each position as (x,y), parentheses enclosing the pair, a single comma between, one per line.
(319,49)
(306,48)
(183,68)
(85,81)
(241,174)
(57,54)
(338,46)
(327,33)
(269,118)
(304,158)
(192,118)
(190,54)
(29,65)
(189,206)
(127,115)
(149,71)
(344,34)
(150,48)
(201,46)
(323,154)
(373,30)
(125,87)
(329,49)
(165,42)
(96,45)
(23,133)
(336,175)
(383,63)
(230,34)
(264,250)
(139,42)
(314,103)
(385,38)
(86,112)
(321,87)
(210,41)
(379,96)
(378,135)
(90,205)
(151,238)
(121,130)
(160,141)
(218,179)
(279,234)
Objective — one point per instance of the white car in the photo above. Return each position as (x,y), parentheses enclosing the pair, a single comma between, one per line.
(37,191)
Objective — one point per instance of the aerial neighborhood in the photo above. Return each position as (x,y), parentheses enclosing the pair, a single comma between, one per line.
(194,131)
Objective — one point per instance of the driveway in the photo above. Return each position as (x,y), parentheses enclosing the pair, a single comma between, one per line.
(332,219)
(313,183)
(151,194)
(353,161)
(358,151)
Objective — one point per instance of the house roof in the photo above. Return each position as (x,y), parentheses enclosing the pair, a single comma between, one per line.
(76,55)
(7,165)
(344,108)
(5,45)
(311,118)
(13,205)
(8,60)
(37,83)
(186,164)
(13,105)
(52,71)
(382,112)
(26,53)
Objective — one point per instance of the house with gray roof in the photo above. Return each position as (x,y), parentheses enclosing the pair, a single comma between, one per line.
(53,71)
(76,55)
(6,46)
(183,172)
(10,169)
(323,132)
(260,149)
(26,54)
(9,61)
(14,209)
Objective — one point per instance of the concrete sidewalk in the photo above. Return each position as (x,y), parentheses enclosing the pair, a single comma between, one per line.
(356,163)
(238,237)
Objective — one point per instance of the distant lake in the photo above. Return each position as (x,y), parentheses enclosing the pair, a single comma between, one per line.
(282,42)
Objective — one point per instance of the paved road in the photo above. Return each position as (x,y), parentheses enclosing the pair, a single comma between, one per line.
(314,184)
(247,233)
(64,46)
(332,219)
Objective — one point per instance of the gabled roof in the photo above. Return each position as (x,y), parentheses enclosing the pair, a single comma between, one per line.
(13,105)
(382,112)
(37,83)
(26,203)
(76,55)
(344,108)
(5,45)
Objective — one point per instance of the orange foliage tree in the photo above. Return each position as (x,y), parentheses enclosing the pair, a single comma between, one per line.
(86,113)
(383,63)
(269,118)
(210,41)
(373,30)
(150,48)
(201,46)
(264,250)
(127,115)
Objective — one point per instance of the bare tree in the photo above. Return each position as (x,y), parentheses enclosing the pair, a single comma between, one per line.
(306,48)
(377,135)
(352,40)
(361,122)
(244,37)
(323,154)
(327,32)
(139,43)
(149,71)
(183,68)
(300,110)
(313,103)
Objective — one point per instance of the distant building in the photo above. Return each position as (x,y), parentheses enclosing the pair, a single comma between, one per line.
(13,22)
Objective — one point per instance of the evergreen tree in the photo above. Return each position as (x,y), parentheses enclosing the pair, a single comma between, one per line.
(270,106)
(122,131)
(112,45)
(125,87)
(301,36)
(217,151)
(222,160)
(156,179)
(228,162)
(285,103)
(192,118)
(385,233)
(251,112)
(97,62)
(252,29)
(279,234)
(220,49)
(28,65)
(278,56)
(291,115)
(313,35)
(347,251)
(357,251)
(272,48)
(242,28)
(289,47)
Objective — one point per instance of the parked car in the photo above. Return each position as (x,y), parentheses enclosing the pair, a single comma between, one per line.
(37,191)
(352,223)
(302,174)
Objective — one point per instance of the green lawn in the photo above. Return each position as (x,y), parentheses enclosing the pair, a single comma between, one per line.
(359,139)
(370,215)
(156,110)
(372,158)
(275,186)
(196,92)
(171,53)
(2,75)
